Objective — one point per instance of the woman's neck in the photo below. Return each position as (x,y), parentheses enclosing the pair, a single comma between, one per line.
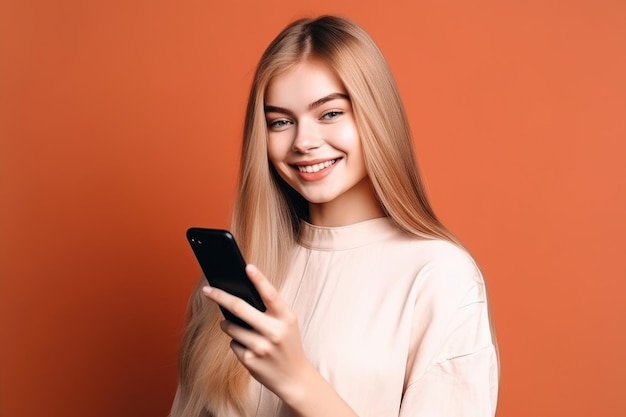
(355,205)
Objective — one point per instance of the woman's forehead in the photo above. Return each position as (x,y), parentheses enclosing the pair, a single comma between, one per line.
(303,84)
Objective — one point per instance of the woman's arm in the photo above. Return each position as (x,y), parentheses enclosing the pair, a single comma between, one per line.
(273,353)
(452,367)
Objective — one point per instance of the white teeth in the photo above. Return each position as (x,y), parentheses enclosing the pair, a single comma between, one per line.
(316,167)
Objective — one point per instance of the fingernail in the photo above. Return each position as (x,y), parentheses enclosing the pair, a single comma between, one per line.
(207,290)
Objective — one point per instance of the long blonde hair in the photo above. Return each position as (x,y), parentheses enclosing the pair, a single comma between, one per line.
(268,212)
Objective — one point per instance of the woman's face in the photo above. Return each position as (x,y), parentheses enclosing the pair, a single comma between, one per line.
(313,139)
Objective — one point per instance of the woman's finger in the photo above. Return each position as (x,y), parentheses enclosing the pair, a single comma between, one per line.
(244,355)
(280,318)
(252,341)
(235,305)
(271,298)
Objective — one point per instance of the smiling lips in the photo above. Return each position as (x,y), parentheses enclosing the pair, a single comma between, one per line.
(316,171)
(316,167)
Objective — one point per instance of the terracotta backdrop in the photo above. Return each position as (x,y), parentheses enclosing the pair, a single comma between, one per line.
(120,126)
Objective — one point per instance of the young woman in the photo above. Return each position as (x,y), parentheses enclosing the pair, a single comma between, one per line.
(373,307)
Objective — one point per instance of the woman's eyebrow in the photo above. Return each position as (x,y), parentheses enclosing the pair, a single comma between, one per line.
(275,109)
(334,96)
(330,97)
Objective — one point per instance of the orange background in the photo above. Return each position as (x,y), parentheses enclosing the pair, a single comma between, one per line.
(120,126)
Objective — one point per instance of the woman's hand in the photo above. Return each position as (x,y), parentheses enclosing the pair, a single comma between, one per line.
(272,351)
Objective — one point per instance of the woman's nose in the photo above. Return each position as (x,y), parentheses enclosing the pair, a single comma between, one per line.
(307,137)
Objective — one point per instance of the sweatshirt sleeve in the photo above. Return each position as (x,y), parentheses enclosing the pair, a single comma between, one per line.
(452,368)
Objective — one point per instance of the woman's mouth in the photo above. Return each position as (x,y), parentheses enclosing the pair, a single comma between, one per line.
(316,167)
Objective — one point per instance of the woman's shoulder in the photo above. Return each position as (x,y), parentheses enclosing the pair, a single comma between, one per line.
(439,259)
(435,250)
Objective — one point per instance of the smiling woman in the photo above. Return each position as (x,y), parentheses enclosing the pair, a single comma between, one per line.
(373,307)
(314,145)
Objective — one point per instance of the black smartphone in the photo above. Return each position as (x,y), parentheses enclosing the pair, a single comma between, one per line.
(224,267)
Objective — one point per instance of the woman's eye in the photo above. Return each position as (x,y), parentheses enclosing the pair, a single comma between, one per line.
(332,114)
(278,124)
